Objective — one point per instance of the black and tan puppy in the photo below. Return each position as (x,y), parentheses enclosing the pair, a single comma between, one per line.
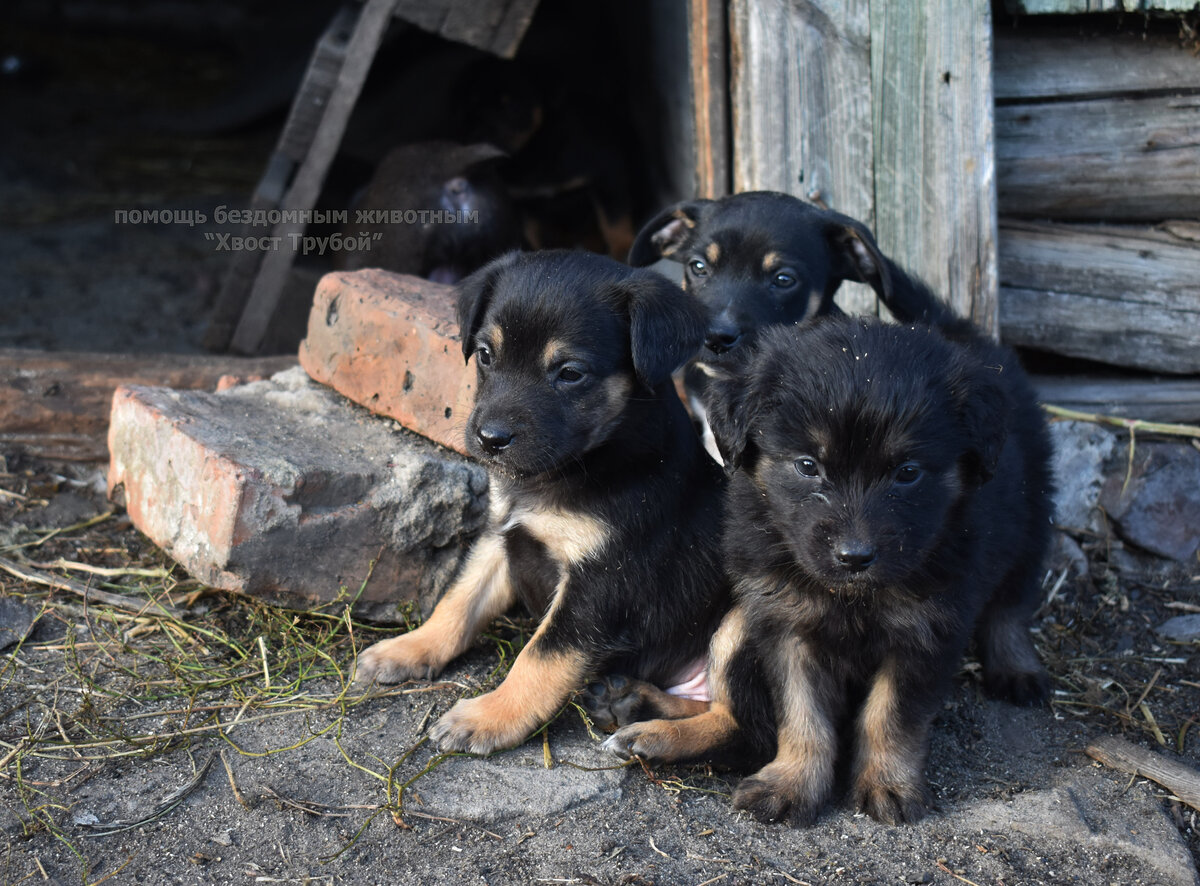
(605,512)
(763,258)
(891,496)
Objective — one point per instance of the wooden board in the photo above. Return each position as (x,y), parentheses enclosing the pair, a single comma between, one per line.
(707,52)
(801,107)
(1124,295)
(496,27)
(1075,7)
(56,404)
(935,187)
(1121,158)
(1030,64)
(1173,400)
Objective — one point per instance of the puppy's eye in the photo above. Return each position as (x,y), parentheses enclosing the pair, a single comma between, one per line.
(483,356)
(570,374)
(698,267)
(807,466)
(907,474)
(783,280)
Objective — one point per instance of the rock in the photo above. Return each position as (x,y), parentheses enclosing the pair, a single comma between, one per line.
(1181,628)
(1081,450)
(1158,509)
(16,619)
(285,490)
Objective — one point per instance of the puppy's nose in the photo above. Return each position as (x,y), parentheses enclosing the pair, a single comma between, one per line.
(855,554)
(721,339)
(494,439)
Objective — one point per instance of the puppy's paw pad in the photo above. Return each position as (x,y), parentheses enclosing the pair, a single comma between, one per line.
(614,701)
(892,803)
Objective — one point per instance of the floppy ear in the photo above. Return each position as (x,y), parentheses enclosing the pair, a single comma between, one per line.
(668,234)
(854,255)
(474,296)
(984,407)
(666,325)
(731,408)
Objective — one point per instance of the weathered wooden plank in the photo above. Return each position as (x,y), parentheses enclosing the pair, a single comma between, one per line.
(707,51)
(56,403)
(496,27)
(1122,158)
(1032,64)
(801,106)
(1174,400)
(935,188)
(1075,7)
(1122,295)
(360,50)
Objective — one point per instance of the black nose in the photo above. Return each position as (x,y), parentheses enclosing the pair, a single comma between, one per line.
(719,340)
(855,554)
(493,438)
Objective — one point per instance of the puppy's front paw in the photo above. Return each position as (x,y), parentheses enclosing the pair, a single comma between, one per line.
(398,659)
(897,802)
(652,740)
(473,726)
(779,791)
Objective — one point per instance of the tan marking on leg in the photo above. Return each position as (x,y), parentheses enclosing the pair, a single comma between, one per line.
(729,637)
(697,737)
(890,755)
(537,685)
(482,592)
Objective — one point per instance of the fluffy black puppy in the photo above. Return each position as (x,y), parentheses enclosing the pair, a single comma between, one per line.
(763,258)
(605,512)
(892,494)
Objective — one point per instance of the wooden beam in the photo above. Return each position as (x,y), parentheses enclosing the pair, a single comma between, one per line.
(1133,159)
(935,186)
(801,107)
(1172,400)
(708,52)
(56,404)
(1121,295)
(485,24)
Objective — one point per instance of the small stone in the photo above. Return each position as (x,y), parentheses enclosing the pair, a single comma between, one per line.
(1181,628)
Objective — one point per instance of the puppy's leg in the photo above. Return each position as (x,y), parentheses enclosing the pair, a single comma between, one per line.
(541,679)
(799,780)
(892,742)
(712,729)
(1011,668)
(481,593)
(617,700)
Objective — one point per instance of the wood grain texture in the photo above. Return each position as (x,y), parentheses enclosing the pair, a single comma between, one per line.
(707,50)
(1172,400)
(801,106)
(935,186)
(57,404)
(1120,294)
(1132,159)
(1032,64)
(496,27)
(1178,778)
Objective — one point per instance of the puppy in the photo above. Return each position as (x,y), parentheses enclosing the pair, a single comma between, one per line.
(605,512)
(763,258)
(892,493)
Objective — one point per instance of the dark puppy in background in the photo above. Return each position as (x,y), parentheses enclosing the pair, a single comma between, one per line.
(605,512)
(763,258)
(892,494)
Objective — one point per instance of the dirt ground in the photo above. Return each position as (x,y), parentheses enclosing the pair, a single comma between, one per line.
(217,740)
(222,744)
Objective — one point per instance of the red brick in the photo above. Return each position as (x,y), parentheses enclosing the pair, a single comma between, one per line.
(390,343)
(284,490)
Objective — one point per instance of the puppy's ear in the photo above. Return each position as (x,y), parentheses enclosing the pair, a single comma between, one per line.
(854,255)
(731,409)
(984,407)
(668,235)
(474,296)
(666,325)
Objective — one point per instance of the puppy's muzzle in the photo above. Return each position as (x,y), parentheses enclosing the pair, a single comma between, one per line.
(722,336)
(494,438)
